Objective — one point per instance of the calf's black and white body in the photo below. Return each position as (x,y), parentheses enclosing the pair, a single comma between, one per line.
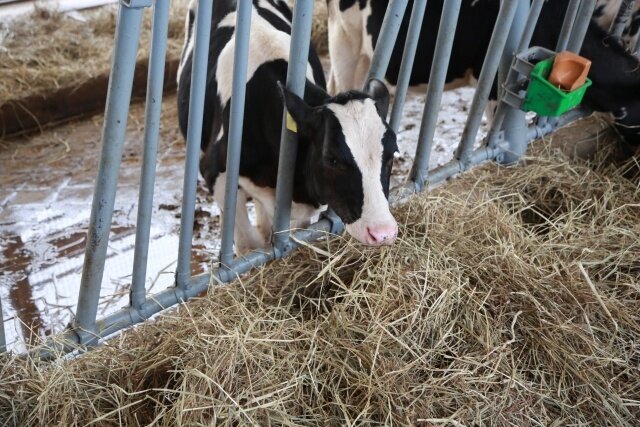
(354,26)
(345,147)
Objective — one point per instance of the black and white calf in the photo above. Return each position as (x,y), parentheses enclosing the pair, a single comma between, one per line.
(345,148)
(354,26)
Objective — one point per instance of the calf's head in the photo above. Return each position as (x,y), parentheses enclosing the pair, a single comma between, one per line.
(350,156)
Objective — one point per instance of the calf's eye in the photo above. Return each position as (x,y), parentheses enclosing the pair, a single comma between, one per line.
(332,161)
(336,164)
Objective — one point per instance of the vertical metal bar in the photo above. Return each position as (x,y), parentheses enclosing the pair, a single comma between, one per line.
(574,27)
(3,341)
(200,60)
(525,41)
(622,18)
(574,44)
(296,76)
(410,46)
(514,125)
(530,26)
(386,39)
(113,133)
(581,25)
(437,77)
(155,80)
(567,25)
(240,60)
(487,78)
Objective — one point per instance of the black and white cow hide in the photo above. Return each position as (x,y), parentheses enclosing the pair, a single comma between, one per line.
(345,147)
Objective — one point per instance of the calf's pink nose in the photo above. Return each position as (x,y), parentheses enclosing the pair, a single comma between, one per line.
(383,234)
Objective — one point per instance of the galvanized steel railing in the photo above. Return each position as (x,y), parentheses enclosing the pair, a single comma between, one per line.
(506,142)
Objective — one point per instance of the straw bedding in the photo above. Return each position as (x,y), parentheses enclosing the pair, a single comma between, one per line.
(511,298)
(49,50)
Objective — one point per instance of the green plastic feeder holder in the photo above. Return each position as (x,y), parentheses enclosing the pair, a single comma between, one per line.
(546,99)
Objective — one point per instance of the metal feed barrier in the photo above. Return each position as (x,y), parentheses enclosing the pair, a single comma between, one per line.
(506,142)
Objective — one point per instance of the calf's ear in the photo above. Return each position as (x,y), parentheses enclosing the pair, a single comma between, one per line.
(300,111)
(380,94)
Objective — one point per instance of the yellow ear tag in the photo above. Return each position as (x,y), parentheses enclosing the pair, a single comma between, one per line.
(291,124)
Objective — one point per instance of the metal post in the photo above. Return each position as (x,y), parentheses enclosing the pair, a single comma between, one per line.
(455,167)
(240,60)
(622,18)
(530,26)
(437,78)
(410,46)
(296,77)
(514,125)
(3,341)
(386,39)
(574,44)
(567,25)
(113,132)
(525,41)
(155,80)
(487,77)
(581,25)
(200,60)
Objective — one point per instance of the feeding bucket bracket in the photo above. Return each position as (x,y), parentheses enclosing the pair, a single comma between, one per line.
(534,92)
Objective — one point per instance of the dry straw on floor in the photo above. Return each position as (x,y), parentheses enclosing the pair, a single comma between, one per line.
(49,50)
(515,301)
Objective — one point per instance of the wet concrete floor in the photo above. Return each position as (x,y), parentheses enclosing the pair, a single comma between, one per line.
(46,190)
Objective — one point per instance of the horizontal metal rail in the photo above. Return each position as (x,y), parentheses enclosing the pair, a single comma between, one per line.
(155,303)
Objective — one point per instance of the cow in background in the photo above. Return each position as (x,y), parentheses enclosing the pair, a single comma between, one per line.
(354,26)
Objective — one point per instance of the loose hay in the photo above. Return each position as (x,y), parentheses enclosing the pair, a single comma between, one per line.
(513,302)
(49,50)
